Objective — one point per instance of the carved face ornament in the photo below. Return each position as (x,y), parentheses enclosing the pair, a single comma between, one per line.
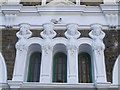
(48,29)
(97,30)
(72,30)
(23,30)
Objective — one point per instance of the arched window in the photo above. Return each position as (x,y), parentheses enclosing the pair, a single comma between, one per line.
(34,67)
(60,68)
(84,68)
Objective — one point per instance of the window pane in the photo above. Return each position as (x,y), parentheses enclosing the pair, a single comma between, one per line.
(60,68)
(34,67)
(84,68)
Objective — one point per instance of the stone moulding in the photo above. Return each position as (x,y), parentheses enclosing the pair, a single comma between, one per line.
(82,11)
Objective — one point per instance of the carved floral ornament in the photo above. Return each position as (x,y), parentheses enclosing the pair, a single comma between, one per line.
(46,48)
(72,47)
(97,35)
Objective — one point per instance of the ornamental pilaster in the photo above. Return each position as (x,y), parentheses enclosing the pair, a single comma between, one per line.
(98,47)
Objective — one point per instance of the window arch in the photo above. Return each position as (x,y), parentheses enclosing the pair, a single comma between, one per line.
(84,68)
(60,67)
(34,67)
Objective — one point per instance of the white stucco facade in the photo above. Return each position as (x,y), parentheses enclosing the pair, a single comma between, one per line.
(50,18)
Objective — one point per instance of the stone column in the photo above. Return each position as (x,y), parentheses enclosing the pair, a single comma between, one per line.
(46,64)
(21,54)
(72,34)
(72,64)
(47,48)
(98,52)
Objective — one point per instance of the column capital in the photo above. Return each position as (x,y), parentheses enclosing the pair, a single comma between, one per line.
(72,31)
(48,32)
(24,32)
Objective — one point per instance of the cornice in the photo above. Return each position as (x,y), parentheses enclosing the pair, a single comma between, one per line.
(39,9)
(16,12)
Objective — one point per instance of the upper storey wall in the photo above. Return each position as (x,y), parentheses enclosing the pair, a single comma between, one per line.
(36,16)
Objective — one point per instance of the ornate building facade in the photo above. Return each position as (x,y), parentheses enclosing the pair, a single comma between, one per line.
(60,44)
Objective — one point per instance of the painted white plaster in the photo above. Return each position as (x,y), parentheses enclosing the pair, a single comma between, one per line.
(98,51)
(74,18)
(3,70)
(116,72)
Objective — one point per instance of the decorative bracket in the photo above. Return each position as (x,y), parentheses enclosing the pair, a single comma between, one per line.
(112,20)
(110,12)
(10,12)
(9,19)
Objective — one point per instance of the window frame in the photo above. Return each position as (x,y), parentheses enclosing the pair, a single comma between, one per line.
(30,66)
(53,70)
(90,67)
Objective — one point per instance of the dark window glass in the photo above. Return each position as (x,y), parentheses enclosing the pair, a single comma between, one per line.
(60,68)
(84,68)
(34,67)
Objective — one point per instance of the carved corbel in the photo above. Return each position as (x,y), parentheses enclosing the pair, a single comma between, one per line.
(112,20)
(9,19)
(110,12)
(10,12)
(48,32)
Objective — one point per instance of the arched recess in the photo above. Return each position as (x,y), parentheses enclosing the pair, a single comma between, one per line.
(85,64)
(33,63)
(59,74)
